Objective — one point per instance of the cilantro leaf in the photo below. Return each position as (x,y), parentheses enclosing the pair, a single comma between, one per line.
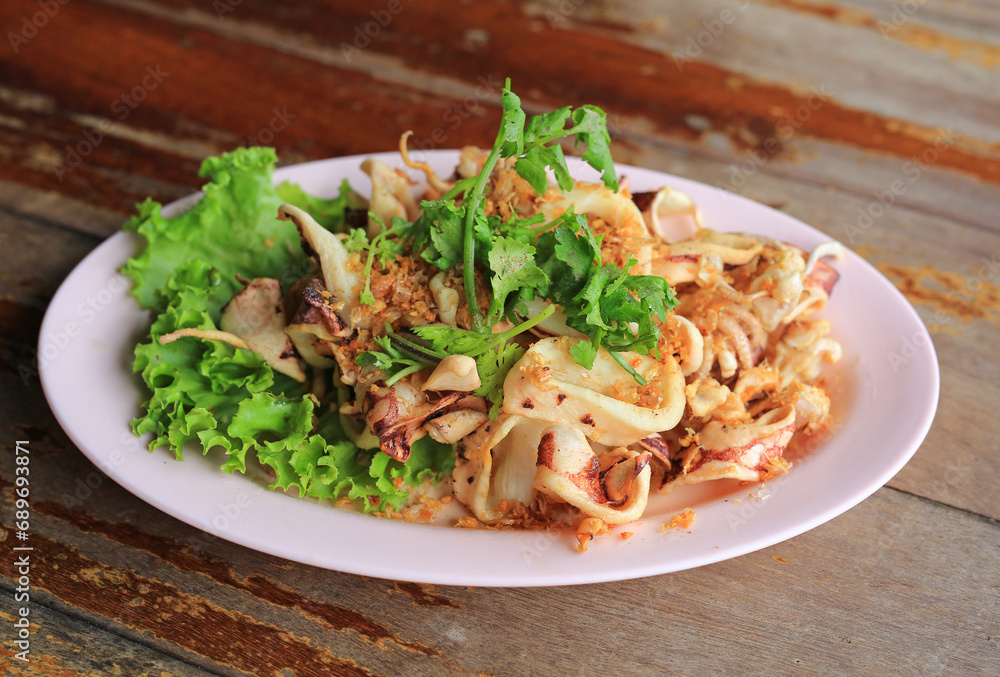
(455,341)
(566,259)
(545,127)
(531,167)
(398,357)
(445,250)
(493,367)
(584,352)
(511,262)
(591,127)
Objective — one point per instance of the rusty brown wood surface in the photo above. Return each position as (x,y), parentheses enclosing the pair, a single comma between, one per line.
(811,107)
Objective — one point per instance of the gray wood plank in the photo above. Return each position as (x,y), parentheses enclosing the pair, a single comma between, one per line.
(63,645)
(742,89)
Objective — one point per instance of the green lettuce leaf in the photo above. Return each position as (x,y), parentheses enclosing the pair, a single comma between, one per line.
(213,395)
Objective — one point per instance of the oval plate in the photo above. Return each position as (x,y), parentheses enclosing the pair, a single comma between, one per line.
(884,402)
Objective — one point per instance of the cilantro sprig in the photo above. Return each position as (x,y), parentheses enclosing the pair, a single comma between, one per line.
(387,245)
(494,353)
(399,357)
(535,148)
(615,309)
(524,258)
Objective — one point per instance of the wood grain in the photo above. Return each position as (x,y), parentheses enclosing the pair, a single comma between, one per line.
(724,101)
(66,645)
(904,583)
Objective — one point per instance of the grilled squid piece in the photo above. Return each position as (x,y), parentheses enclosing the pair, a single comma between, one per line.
(592,199)
(812,406)
(314,326)
(391,195)
(734,336)
(445,298)
(451,427)
(399,415)
(778,287)
(705,395)
(818,281)
(455,372)
(257,315)
(705,256)
(750,452)
(342,282)
(683,339)
(612,486)
(554,324)
(495,470)
(505,462)
(669,214)
(546,384)
(803,349)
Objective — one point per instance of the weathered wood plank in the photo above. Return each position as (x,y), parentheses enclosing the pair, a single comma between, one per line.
(61,645)
(742,95)
(848,596)
(55,208)
(65,84)
(726,112)
(37,256)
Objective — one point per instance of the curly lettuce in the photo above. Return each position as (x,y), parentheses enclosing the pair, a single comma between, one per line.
(209,394)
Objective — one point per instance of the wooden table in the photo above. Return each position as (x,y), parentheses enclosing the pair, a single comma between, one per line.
(877,123)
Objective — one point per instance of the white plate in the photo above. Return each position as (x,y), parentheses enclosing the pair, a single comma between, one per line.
(885,394)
